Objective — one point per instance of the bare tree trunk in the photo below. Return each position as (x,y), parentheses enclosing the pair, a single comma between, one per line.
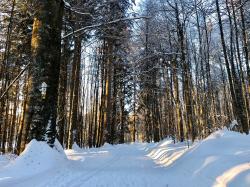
(75,94)
(236,89)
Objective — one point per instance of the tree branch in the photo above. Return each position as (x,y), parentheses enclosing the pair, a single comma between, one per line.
(17,77)
(102,24)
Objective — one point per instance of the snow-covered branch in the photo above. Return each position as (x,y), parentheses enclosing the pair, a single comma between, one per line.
(102,24)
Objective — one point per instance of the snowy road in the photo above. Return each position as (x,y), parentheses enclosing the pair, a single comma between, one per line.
(122,165)
(219,161)
(127,166)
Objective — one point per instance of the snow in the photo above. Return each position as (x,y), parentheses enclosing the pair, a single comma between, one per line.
(220,160)
(66,4)
(6,159)
(37,157)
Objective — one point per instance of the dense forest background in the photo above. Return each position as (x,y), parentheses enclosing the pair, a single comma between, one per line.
(97,71)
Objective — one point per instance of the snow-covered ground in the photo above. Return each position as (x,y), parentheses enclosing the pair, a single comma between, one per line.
(223,159)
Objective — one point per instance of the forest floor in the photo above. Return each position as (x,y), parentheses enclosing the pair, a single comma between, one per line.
(223,159)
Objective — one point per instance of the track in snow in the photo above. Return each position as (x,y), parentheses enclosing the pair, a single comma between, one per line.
(124,165)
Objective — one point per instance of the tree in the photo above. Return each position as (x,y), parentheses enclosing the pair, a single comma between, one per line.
(239,105)
(42,101)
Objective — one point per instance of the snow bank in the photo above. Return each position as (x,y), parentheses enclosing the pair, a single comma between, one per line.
(108,146)
(222,159)
(36,158)
(58,147)
(6,159)
(3,160)
(166,152)
(76,147)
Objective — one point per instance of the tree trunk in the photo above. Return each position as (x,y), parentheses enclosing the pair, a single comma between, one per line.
(42,102)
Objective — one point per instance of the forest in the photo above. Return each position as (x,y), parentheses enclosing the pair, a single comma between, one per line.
(88,73)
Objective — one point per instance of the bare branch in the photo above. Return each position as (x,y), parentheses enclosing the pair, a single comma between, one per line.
(17,77)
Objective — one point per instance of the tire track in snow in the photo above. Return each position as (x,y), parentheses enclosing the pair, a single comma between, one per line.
(77,178)
(93,174)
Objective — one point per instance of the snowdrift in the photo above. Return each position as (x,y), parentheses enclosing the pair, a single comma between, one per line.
(36,158)
(222,159)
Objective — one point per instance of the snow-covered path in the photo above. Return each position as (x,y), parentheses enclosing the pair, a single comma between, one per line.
(122,165)
(223,159)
